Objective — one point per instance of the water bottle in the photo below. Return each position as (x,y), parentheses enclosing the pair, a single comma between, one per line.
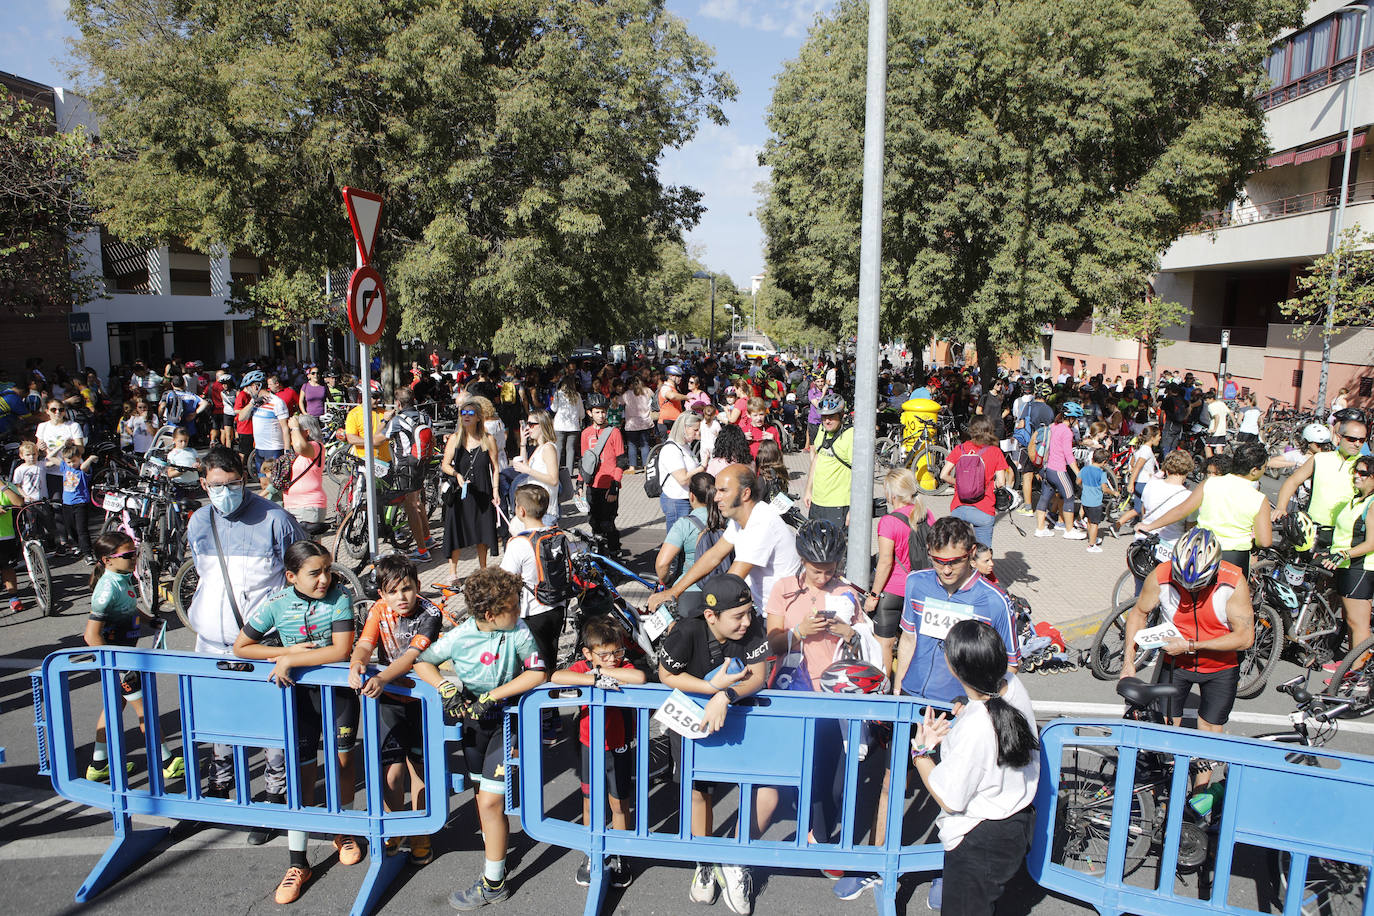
(1209,798)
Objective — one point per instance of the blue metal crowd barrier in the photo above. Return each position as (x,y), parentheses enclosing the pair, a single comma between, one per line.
(228,702)
(769,740)
(1300,805)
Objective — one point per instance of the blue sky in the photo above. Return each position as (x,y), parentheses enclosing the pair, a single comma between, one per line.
(752,38)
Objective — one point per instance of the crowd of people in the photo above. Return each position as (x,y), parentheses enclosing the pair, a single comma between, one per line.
(749,560)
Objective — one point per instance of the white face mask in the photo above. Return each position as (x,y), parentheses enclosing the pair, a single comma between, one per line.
(226,499)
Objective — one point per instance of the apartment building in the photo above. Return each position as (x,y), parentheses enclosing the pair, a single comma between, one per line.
(1235,268)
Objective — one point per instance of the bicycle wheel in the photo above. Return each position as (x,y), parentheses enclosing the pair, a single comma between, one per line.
(928,467)
(1124,589)
(887,453)
(1354,679)
(337,466)
(184,585)
(1257,661)
(1083,822)
(39,576)
(146,573)
(1323,631)
(1108,651)
(348,580)
(350,544)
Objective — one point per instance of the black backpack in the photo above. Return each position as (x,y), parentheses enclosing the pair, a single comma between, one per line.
(556,584)
(653,485)
(918,536)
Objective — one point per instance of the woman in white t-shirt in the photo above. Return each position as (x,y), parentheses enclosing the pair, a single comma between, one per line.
(53,434)
(676,465)
(1249,427)
(1144,465)
(1162,494)
(987,775)
(568,414)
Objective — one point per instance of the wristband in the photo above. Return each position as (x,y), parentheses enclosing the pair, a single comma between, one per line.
(921,750)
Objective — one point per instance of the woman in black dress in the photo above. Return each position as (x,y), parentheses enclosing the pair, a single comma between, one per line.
(470,505)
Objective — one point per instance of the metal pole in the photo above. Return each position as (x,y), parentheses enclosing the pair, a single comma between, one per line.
(369,473)
(1352,95)
(713,313)
(870,263)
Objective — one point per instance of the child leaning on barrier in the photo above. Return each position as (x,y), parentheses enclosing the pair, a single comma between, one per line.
(313,617)
(495,657)
(116,621)
(400,625)
(603,664)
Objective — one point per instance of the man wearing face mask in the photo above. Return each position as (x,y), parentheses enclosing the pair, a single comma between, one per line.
(238,543)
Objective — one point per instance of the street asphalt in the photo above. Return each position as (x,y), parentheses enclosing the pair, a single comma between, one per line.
(47,845)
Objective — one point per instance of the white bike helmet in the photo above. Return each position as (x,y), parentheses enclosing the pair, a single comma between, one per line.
(1316,432)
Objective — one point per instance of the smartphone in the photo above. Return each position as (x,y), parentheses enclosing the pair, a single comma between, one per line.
(826,613)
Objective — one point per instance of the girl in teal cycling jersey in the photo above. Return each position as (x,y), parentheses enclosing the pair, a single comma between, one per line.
(116,621)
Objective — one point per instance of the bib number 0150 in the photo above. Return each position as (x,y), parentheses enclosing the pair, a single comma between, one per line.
(683,716)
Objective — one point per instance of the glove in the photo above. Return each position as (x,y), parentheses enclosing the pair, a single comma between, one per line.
(481,707)
(453,700)
(606,682)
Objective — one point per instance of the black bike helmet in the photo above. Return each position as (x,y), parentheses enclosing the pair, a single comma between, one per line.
(821,541)
(1298,530)
(1140,557)
(597,401)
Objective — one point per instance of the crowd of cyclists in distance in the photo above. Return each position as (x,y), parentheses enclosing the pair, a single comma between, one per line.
(749,562)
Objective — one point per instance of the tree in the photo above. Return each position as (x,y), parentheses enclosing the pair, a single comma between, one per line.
(43,202)
(1040,154)
(1349,272)
(1144,319)
(516,143)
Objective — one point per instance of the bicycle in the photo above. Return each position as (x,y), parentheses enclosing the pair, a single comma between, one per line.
(1313,631)
(30,532)
(187,580)
(128,511)
(351,541)
(1353,680)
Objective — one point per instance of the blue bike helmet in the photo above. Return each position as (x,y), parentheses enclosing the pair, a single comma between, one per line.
(830,404)
(1196,559)
(1073,409)
(253,378)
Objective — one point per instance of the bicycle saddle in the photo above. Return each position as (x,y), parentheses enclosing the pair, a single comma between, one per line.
(1138,693)
(315,529)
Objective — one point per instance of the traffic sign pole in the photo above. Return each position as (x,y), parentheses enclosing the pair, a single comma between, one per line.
(366,304)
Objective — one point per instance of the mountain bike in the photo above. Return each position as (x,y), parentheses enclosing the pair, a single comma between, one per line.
(1353,680)
(30,531)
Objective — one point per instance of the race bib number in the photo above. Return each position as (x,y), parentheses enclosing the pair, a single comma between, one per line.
(682,715)
(657,623)
(1164,552)
(782,502)
(112,502)
(938,615)
(1154,637)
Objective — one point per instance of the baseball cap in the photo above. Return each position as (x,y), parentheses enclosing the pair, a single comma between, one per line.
(725,592)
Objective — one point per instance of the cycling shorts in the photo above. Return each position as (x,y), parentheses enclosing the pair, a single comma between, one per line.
(310,721)
(1355,582)
(887,616)
(619,768)
(484,752)
(401,731)
(1216,691)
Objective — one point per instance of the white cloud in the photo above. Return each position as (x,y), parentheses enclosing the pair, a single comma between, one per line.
(57,9)
(790,17)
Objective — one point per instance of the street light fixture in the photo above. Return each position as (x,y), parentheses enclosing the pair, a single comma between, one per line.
(704,275)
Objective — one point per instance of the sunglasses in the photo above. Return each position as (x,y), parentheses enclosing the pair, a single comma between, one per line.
(1358,473)
(467,413)
(1355,438)
(949,561)
(121,554)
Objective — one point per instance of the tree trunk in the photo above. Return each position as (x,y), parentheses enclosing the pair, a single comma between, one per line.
(987,358)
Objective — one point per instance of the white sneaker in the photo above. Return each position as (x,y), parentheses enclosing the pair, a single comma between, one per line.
(736,888)
(703,888)
(1044,533)
(1094,549)
(1075,535)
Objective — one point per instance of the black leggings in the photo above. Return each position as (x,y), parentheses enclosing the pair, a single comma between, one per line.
(546,627)
(75,519)
(887,616)
(1240,558)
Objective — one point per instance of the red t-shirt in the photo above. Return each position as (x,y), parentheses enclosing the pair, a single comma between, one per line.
(619,728)
(607,471)
(993,461)
(290,399)
(756,434)
(243,426)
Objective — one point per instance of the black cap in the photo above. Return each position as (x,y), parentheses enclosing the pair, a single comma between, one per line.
(725,592)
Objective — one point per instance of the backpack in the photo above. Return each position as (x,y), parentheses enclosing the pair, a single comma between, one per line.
(1037,447)
(653,483)
(591,458)
(556,583)
(675,569)
(174,408)
(970,477)
(705,541)
(918,536)
(508,392)
(412,444)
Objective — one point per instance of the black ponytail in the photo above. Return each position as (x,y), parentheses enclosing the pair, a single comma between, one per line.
(978,657)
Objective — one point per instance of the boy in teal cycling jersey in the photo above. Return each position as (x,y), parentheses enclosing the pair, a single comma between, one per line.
(494,654)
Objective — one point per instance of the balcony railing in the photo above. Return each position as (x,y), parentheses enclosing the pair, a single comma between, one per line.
(1317,79)
(1253,212)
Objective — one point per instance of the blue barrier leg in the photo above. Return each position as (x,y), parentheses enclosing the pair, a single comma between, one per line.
(128,847)
(596,890)
(381,871)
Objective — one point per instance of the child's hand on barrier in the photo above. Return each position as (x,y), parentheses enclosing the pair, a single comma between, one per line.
(355,676)
(454,704)
(725,679)
(932,730)
(281,673)
(373,687)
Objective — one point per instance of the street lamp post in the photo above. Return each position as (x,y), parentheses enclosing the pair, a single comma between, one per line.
(703,275)
(1352,95)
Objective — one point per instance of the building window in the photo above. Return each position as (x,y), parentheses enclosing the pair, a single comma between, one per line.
(1297,378)
(1366,387)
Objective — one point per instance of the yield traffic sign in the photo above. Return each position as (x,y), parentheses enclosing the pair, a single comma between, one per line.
(366,304)
(365,215)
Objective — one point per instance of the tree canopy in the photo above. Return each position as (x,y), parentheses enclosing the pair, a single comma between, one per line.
(1040,155)
(43,200)
(516,142)
(1346,276)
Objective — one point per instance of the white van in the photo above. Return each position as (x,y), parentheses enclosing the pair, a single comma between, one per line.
(749,349)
